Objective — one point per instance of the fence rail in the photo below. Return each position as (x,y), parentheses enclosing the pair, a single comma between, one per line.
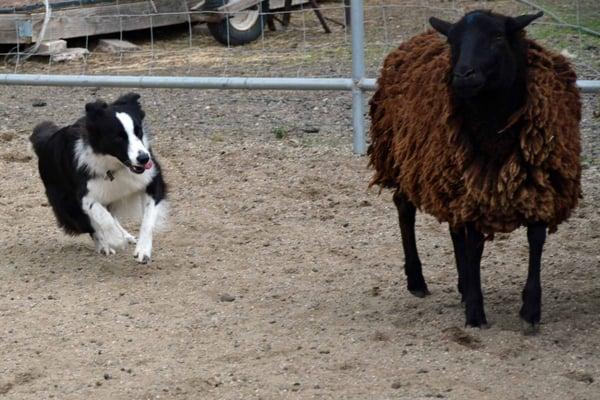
(211,82)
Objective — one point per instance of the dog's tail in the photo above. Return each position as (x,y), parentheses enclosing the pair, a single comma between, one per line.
(41,133)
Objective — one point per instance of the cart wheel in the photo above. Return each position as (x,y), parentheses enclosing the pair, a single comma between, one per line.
(241,28)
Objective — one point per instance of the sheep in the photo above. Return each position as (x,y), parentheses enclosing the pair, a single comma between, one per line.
(479,127)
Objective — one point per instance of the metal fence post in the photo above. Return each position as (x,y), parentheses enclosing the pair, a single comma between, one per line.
(358,74)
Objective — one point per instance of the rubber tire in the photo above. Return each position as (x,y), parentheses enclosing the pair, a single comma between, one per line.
(220,29)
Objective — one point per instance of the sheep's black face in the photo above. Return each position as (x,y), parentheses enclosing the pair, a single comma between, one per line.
(486,50)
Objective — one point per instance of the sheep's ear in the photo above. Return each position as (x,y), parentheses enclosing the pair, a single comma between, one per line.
(520,22)
(95,108)
(441,26)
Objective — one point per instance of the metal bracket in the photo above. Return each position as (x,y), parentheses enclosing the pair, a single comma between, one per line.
(24,29)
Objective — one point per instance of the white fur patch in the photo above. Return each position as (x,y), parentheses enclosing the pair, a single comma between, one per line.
(152,214)
(136,146)
(124,184)
(108,233)
(96,164)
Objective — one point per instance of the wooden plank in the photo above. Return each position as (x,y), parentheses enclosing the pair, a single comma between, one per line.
(279,4)
(99,19)
(315,7)
(88,21)
(104,18)
(273,4)
(8,28)
(237,5)
(287,16)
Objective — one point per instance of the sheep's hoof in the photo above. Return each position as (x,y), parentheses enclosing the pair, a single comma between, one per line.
(531,313)
(420,293)
(530,328)
(475,317)
(484,325)
(415,283)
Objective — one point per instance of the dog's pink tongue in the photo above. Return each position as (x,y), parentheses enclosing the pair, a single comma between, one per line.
(148,165)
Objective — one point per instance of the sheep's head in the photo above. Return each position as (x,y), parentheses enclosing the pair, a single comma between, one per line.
(487,50)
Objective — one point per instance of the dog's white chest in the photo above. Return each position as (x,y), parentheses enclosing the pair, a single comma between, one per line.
(123,184)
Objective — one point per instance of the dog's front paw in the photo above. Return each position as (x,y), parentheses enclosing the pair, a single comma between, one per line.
(102,247)
(141,256)
(117,238)
(129,238)
(142,253)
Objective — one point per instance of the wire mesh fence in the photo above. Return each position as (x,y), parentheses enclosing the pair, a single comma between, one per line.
(300,48)
(291,40)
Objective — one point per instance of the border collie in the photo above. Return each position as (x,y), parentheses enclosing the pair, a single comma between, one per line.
(101,168)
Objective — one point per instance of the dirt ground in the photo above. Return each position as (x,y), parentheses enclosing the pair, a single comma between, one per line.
(279,274)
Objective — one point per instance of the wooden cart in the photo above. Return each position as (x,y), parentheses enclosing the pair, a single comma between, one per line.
(233,22)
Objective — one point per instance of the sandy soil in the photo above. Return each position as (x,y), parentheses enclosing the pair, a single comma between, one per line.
(279,275)
(287,228)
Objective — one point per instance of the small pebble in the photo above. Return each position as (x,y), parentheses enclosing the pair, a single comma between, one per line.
(227,298)
(396,385)
(580,377)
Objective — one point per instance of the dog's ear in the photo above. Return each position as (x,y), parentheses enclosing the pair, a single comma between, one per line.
(131,101)
(95,108)
(129,98)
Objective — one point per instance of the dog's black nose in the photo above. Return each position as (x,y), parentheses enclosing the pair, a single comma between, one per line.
(143,158)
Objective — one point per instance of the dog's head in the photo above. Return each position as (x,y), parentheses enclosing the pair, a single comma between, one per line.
(116,130)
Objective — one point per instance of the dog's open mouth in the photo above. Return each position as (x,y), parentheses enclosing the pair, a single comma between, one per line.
(139,169)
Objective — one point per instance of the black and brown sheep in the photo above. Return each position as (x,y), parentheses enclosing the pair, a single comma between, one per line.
(480,129)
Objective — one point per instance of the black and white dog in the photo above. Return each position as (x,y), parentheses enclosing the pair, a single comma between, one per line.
(99,169)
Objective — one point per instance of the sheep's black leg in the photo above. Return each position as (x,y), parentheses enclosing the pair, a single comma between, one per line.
(532,292)
(458,241)
(475,315)
(412,264)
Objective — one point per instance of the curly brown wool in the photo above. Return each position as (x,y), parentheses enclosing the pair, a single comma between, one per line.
(418,149)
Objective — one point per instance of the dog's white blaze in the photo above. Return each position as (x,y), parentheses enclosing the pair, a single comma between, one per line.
(135,144)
